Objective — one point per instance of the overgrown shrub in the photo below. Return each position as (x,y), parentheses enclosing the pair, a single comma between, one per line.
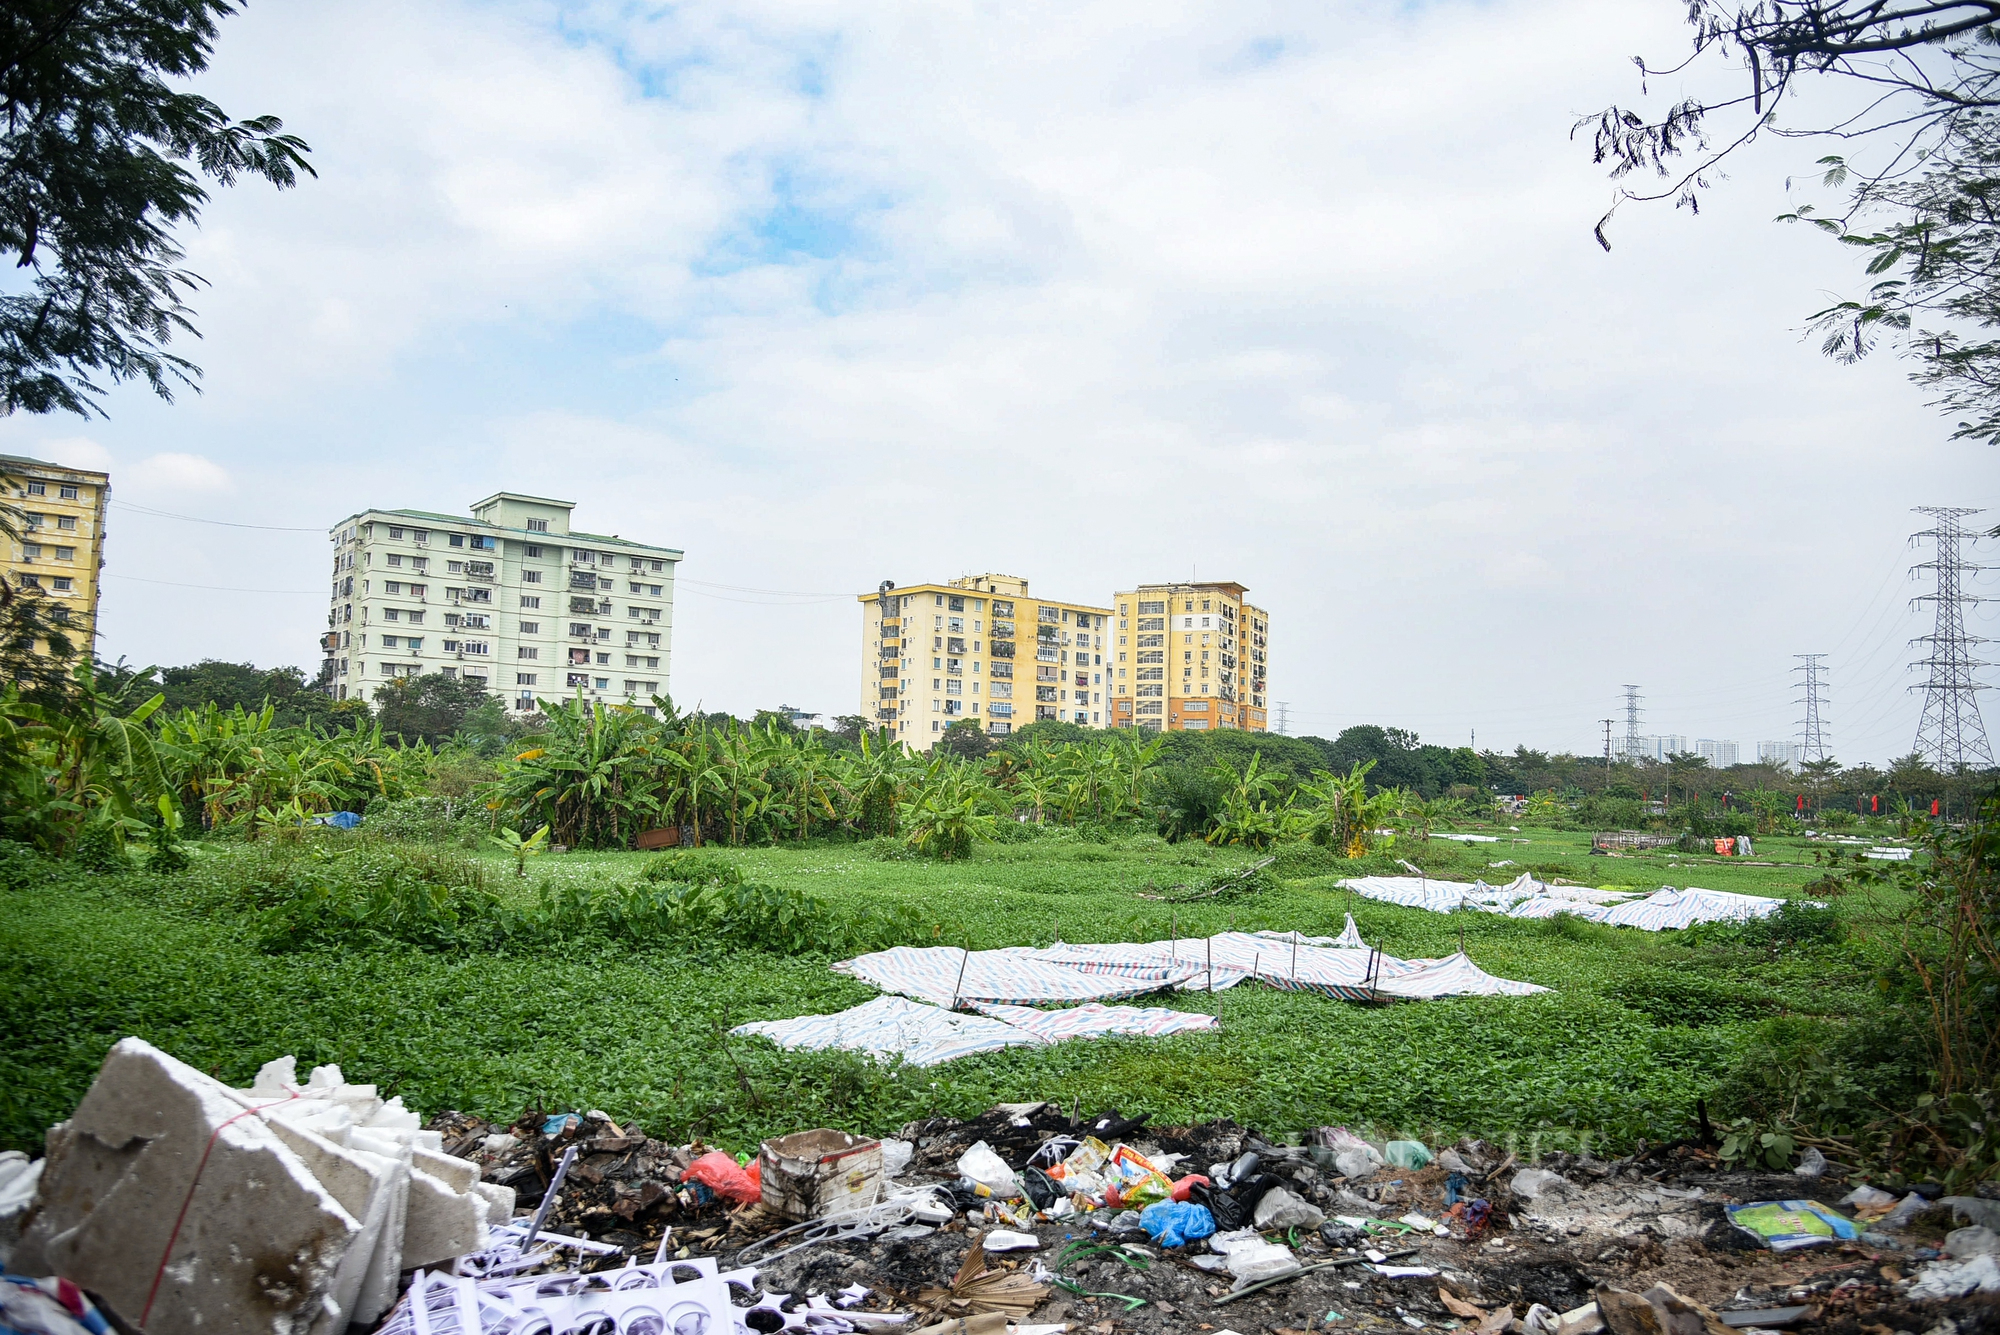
(1014,831)
(1691,1000)
(393,909)
(694,868)
(428,820)
(1298,862)
(1797,925)
(100,850)
(21,866)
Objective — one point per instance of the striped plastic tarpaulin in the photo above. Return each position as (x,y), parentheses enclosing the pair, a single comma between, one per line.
(1098,1021)
(1453,976)
(1668,909)
(1545,907)
(1216,963)
(944,975)
(929,1035)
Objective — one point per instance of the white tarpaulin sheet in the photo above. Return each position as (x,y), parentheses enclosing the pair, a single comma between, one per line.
(1665,909)
(1342,967)
(1453,976)
(1003,987)
(928,1035)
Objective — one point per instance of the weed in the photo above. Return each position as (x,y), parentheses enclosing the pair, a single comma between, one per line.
(593,985)
(693,868)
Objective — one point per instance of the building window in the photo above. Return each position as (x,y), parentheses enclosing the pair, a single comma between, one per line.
(66,522)
(531,628)
(62,583)
(531,577)
(527,651)
(524,679)
(38,489)
(538,526)
(530,600)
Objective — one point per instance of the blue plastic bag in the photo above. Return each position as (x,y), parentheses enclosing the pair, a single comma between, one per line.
(1171,1223)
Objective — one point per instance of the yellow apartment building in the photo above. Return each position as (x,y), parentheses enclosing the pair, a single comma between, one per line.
(979,647)
(60,512)
(1189,657)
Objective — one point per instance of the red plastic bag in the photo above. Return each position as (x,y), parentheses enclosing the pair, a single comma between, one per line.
(1182,1186)
(721,1175)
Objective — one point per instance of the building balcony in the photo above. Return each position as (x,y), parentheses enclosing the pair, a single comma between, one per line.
(1002,648)
(1045,656)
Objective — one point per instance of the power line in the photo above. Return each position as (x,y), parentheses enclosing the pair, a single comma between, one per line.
(220,523)
(1951,732)
(1631,722)
(217,588)
(1812,741)
(775,593)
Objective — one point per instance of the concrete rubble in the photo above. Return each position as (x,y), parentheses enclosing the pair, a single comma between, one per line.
(187,1206)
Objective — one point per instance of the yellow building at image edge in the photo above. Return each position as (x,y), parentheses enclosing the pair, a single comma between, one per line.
(61,547)
(979,648)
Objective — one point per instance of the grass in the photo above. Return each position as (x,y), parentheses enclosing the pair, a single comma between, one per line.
(1639,1025)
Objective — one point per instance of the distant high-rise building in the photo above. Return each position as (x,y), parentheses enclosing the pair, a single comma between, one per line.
(1197,655)
(1658,748)
(997,657)
(1778,753)
(511,598)
(62,540)
(1719,754)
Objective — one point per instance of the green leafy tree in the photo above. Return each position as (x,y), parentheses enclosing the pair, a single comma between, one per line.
(1920,206)
(102,157)
(427,709)
(966,739)
(38,651)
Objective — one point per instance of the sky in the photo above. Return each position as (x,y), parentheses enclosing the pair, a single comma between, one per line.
(824,293)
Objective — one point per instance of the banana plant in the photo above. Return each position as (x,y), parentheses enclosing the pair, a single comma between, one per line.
(510,840)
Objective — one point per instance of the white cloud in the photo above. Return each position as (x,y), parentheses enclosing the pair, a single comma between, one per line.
(1302,295)
(176,473)
(75,451)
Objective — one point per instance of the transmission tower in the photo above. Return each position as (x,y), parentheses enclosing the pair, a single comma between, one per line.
(1632,743)
(1951,733)
(1812,728)
(1284,718)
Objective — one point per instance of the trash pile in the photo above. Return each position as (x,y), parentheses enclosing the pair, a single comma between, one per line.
(171,1203)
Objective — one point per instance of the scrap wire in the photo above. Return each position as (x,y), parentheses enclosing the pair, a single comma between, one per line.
(835,1227)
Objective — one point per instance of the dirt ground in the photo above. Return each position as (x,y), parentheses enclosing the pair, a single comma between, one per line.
(1631,1223)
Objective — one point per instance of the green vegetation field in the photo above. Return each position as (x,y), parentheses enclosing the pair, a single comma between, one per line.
(1638,1027)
